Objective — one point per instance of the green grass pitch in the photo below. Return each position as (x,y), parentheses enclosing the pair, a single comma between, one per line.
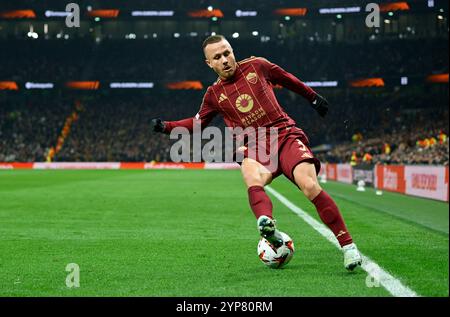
(192,233)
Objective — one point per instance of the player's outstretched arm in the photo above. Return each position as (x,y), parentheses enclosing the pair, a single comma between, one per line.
(204,116)
(158,125)
(279,76)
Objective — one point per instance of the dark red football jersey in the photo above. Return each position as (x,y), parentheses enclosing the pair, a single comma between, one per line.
(247,99)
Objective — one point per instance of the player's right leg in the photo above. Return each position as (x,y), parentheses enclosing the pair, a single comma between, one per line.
(305,177)
(256,176)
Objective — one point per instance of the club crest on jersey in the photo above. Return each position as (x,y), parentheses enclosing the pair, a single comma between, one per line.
(252,78)
(244,103)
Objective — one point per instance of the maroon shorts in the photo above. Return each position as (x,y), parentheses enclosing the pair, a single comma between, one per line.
(293,149)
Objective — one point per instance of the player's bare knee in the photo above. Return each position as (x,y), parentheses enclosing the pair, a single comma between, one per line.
(252,179)
(254,175)
(310,187)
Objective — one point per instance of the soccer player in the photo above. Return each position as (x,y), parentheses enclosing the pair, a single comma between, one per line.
(243,95)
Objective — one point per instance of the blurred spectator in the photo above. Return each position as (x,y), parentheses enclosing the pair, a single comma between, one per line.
(383,123)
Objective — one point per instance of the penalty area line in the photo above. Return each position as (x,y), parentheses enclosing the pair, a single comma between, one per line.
(376,272)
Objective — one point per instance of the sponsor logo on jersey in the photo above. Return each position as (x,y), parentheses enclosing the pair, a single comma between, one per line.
(222,97)
(244,103)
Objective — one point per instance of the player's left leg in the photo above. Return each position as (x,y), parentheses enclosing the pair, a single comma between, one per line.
(305,177)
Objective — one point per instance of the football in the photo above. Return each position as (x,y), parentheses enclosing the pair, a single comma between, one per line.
(276,258)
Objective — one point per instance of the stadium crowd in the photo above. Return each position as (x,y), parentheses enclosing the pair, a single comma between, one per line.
(156,59)
(114,125)
(398,148)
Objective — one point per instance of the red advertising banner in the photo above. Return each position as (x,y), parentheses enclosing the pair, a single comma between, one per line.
(446,182)
(132,165)
(15,165)
(291,11)
(331,171)
(390,178)
(18,14)
(344,173)
(394,6)
(416,180)
(206,13)
(368,82)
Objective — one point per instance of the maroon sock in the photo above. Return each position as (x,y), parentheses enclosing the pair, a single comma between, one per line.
(259,202)
(330,215)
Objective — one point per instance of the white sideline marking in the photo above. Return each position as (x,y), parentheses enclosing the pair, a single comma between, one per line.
(390,283)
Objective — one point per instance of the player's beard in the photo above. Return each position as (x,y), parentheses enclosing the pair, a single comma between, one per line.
(228,74)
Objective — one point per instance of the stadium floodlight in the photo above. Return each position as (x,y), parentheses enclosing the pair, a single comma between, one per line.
(129,85)
(255,33)
(287,18)
(340,10)
(387,21)
(213,33)
(210,8)
(430,3)
(214,19)
(322,83)
(240,13)
(235,35)
(60,14)
(339,16)
(391,13)
(440,17)
(31,85)
(152,13)
(176,35)
(97,19)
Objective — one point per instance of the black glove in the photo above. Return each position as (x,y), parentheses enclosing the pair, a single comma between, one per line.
(157,125)
(320,104)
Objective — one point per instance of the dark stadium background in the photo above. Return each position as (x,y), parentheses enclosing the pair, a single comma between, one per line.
(83,98)
(410,44)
